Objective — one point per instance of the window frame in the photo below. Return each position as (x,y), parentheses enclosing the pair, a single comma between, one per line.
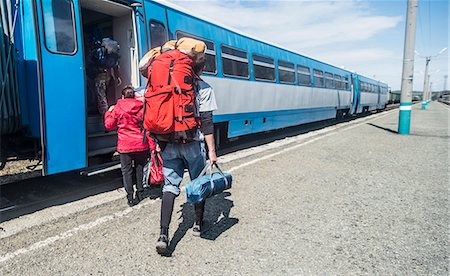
(288,69)
(235,59)
(264,64)
(322,77)
(150,30)
(338,82)
(345,83)
(302,73)
(329,76)
(75,35)
(210,52)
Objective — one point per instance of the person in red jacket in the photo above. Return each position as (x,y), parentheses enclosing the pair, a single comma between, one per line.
(133,146)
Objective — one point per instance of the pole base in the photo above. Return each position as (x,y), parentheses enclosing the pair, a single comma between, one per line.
(404,119)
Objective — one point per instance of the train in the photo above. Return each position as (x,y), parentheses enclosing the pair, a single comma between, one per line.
(50,103)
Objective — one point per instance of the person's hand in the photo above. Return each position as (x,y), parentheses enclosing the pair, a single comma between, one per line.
(111,108)
(158,149)
(212,156)
(119,81)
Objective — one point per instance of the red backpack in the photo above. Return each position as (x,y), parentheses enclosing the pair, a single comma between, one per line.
(170,99)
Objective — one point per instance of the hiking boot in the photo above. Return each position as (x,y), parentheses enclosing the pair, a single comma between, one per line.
(199,228)
(162,244)
(131,201)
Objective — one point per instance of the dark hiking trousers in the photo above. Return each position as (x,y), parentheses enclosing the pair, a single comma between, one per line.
(126,161)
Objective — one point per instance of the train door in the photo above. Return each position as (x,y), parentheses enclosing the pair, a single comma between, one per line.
(355,93)
(63,113)
(379,96)
(157,25)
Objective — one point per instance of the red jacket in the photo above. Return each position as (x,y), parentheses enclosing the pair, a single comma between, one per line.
(127,116)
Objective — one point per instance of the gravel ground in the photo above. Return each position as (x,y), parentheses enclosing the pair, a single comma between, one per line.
(16,170)
(362,201)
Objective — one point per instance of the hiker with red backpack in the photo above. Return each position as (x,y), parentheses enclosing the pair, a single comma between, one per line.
(179,108)
(132,144)
(191,155)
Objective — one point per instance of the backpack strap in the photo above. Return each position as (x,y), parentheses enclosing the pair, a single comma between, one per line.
(169,77)
(143,130)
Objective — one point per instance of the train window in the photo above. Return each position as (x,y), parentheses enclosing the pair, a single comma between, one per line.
(304,75)
(286,72)
(318,78)
(234,62)
(59,26)
(157,34)
(263,67)
(210,54)
(329,80)
(338,81)
(345,83)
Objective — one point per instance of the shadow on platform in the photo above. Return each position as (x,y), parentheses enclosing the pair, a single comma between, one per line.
(384,128)
(31,195)
(217,216)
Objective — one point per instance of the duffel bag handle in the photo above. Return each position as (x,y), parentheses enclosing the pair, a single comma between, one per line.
(209,167)
(205,169)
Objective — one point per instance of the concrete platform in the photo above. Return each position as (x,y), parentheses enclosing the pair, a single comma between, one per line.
(359,199)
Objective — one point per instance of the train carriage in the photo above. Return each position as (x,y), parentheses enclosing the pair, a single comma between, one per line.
(259,86)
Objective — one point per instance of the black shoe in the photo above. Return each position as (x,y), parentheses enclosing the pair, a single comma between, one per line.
(140,195)
(131,201)
(162,244)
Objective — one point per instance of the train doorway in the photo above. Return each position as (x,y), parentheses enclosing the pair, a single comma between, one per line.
(100,20)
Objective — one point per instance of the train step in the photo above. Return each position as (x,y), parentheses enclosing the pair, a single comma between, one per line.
(95,124)
(100,141)
(110,166)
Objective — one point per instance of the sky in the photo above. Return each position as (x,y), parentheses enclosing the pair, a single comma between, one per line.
(362,36)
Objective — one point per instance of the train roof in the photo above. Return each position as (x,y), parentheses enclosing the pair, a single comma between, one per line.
(212,21)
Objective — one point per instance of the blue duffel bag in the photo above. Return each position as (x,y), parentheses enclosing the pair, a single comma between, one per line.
(207,185)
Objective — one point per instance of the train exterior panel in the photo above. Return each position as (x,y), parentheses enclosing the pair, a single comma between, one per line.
(259,86)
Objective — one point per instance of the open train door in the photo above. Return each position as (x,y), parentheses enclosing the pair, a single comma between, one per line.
(62,96)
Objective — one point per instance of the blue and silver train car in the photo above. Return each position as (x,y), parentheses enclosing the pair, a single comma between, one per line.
(259,86)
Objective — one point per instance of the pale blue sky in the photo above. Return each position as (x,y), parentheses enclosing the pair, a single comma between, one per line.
(364,36)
